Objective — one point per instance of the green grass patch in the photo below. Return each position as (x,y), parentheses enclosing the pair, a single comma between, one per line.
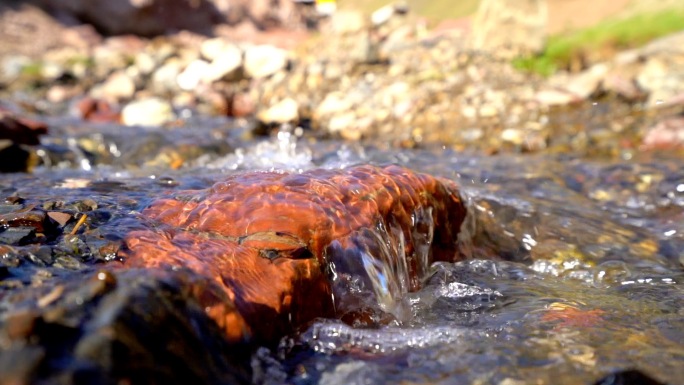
(630,32)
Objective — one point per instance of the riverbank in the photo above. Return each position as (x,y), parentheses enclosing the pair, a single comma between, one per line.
(386,78)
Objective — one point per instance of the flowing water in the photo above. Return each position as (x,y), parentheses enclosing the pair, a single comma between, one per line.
(574,266)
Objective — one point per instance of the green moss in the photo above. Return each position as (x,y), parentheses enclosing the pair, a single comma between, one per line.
(612,34)
(32,70)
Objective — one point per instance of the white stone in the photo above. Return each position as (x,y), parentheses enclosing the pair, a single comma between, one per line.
(342,122)
(211,48)
(587,82)
(285,111)
(164,78)
(554,98)
(264,60)
(147,112)
(382,15)
(191,76)
(512,135)
(118,86)
(225,65)
(333,102)
(145,63)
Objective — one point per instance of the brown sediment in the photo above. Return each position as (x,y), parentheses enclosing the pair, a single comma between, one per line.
(269,240)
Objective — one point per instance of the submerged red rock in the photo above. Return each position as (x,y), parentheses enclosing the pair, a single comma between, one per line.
(287,248)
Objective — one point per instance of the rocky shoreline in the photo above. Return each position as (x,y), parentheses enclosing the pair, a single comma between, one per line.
(385,79)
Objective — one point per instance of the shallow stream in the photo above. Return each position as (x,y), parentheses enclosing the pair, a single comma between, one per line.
(574,266)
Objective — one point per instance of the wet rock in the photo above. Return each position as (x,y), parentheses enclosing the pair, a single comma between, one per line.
(20,130)
(17,235)
(119,326)
(95,110)
(628,377)
(15,158)
(240,105)
(264,60)
(28,217)
(147,112)
(280,252)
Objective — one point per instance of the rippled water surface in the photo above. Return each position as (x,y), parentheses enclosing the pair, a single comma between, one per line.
(574,268)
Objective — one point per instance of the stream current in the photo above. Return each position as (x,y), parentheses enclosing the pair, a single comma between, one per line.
(574,267)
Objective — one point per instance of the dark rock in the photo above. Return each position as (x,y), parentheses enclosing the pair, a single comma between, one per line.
(33,218)
(20,130)
(17,235)
(15,158)
(146,18)
(628,377)
(137,327)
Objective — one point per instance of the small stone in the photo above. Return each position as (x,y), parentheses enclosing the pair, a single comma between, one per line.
(118,86)
(382,15)
(191,76)
(552,98)
(60,217)
(226,65)
(669,133)
(241,105)
(334,102)
(512,135)
(488,111)
(623,87)
(586,83)
(164,79)
(147,112)
(285,111)
(264,60)
(212,48)
(17,235)
(342,124)
(145,63)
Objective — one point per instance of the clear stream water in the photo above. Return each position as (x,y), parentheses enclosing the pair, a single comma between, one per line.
(574,270)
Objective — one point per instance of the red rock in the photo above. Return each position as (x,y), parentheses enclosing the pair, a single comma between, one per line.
(20,130)
(667,134)
(280,245)
(96,110)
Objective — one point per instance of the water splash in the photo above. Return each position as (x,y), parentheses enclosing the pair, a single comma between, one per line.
(282,152)
(382,270)
(334,337)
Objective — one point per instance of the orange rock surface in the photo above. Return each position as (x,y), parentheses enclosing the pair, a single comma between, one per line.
(285,247)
